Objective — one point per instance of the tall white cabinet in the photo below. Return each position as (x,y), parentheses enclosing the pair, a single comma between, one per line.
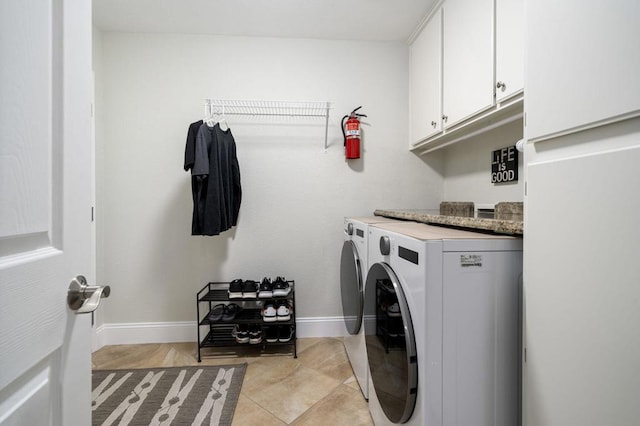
(582,238)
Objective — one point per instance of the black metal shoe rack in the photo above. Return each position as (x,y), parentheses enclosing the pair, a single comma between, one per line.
(219,333)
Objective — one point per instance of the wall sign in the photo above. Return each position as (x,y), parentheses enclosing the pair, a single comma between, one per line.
(504,165)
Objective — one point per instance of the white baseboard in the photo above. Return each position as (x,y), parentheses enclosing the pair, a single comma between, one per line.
(320,327)
(185,331)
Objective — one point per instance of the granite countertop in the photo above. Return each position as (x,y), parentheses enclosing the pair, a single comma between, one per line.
(508,217)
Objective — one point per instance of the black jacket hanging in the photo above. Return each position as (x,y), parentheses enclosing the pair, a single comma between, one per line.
(215,171)
(189,160)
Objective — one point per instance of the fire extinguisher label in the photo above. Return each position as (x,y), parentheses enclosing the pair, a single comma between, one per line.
(355,132)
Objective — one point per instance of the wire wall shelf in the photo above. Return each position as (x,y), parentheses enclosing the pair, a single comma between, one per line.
(226,107)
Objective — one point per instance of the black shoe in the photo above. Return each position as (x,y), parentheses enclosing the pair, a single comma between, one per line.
(281,287)
(249,289)
(255,335)
(230,312)
(272,334)
(235,289)
(285,333)
(266,288)
(241,333)
(216,313)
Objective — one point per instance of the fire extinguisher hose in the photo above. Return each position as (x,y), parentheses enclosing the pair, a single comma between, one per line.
(343,133)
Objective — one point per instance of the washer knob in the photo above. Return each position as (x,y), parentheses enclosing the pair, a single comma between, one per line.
(385,245)
(349,228)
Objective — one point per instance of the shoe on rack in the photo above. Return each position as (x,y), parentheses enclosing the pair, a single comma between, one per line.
(271,335)
(241,333)
(285,333)
(269,312)
(395,328)
(235,289)
(393,310)
(283,312)
(230,312)
(281,287)
(249,289)
(266,288)
(216,313)
(255,335)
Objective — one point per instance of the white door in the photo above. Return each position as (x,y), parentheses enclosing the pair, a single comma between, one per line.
(45,212)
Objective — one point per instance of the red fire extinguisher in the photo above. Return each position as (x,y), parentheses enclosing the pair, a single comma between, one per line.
(351,133)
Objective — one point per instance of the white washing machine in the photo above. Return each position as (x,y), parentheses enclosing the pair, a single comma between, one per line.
(353,270)
(442,326)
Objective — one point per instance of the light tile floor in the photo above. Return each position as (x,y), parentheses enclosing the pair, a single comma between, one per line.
(317,388)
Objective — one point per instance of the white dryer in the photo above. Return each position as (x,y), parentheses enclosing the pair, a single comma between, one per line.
(442,321)
(353,270)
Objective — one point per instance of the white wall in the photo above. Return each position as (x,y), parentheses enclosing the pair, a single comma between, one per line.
(295,195)
(467,168)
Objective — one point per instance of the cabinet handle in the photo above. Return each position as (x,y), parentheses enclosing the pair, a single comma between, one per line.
(434,124)
(500,85)
(445,118)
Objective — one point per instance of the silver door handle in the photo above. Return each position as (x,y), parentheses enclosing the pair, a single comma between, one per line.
(83,298)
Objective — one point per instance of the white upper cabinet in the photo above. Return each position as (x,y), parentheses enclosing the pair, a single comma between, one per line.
(468,59)
(590,77)
(467,70)
(509,48)
(425,94)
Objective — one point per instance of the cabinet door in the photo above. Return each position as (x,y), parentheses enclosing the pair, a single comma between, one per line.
(509,48)
(590,75)
(426,81)
(581,280)
(467,59)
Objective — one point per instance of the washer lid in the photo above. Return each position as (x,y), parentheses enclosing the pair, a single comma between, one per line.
(391,344)
(351,287)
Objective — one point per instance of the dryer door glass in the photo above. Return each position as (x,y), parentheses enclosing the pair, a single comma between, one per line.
(351,287)
(391,345)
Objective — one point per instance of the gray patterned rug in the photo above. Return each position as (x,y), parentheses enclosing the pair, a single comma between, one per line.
(201,395)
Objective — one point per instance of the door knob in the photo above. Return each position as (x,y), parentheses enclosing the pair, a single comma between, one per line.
(83,298)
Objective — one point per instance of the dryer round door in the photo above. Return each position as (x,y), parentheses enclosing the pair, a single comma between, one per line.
(391,344)
(351,287)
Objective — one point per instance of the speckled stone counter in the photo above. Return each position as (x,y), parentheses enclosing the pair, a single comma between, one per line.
(509,221)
